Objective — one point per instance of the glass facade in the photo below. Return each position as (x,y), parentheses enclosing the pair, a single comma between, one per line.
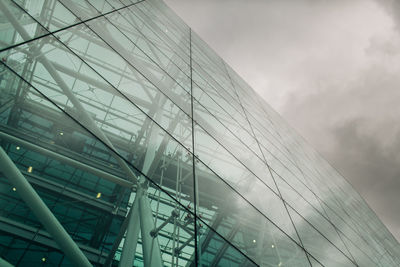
(148,150)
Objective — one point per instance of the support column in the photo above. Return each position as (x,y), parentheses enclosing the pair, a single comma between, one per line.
(151,248)
(5,263)
(41,211)
(85,118)
(132,232)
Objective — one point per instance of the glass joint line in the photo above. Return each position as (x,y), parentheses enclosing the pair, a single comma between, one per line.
(319,212)
(333,194)
(269,168)
(131,91)
(62,29)
(196,235)
(138,47)
(149,81)
(117,90)
(327,218)
(94,135)
(138,170)
(278,195)
(326,214)
(137,70)
(156,47)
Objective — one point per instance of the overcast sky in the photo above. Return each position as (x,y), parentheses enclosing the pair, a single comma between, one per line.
(331,68)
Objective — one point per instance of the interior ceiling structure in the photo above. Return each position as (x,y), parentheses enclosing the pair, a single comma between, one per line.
(126,141)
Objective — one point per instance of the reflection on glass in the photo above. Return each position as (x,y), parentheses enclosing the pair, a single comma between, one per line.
(151,151)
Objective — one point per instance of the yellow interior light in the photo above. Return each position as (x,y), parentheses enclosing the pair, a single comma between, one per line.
(14,189)
(30,168)
(98,195)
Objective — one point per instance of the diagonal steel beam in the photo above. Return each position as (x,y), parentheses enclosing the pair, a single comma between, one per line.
(5,263)
(41,211)
(84,115)
(221,252)
(132,232)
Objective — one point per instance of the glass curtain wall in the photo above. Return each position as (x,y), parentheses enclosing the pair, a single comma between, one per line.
(122,129)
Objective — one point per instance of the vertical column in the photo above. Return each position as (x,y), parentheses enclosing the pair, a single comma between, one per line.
(5,263)
(151,248)
(132,232)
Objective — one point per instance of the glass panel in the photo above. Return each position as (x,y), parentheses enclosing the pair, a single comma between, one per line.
(240,223)
(93,99)
(96,95)
(90,208)
(173,29)
(318,246)
(216,251)
(16,25)
(70,169)
(226,164)
(320,223)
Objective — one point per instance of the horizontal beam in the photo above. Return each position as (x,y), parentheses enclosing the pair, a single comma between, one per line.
(43,238)
(41,211)
(76,195)
(62,158)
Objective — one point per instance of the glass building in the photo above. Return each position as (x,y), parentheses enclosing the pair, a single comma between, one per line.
(126,141)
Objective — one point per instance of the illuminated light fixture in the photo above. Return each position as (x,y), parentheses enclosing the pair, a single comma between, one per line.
(30,169)
(43,259)
(17,148)
(254,241)
(272,246)
(98,195)
(280,264)
(14,189)
(61,133)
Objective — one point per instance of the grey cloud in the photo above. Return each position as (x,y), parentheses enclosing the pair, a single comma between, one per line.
(392,7)
(356,127)
(374,168)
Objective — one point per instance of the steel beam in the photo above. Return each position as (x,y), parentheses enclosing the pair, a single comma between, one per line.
(103,86)
(5,263)
(75,195)
(118,240)
(41,211)
(222,250)
(151,248)
(132,233)
(65,159)
(85,118)
(43,238)
(173,216)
